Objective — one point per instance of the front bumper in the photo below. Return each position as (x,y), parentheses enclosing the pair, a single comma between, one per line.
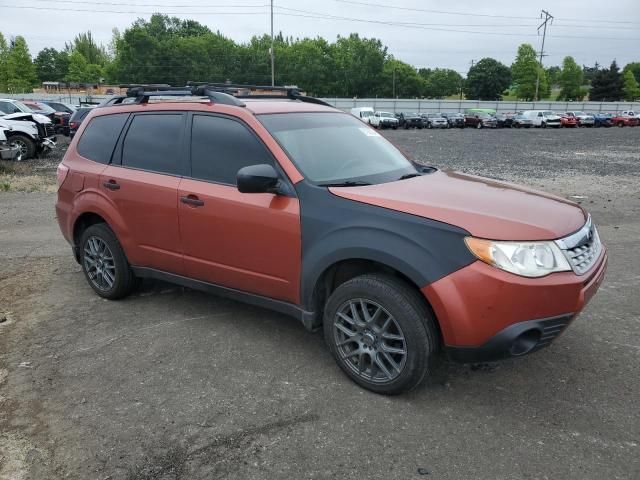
(8,152)
(487,314)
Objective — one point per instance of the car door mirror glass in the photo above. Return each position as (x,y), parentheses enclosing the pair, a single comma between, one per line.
(257,179)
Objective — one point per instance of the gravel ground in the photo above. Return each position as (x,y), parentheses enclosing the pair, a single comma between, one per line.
(175,384)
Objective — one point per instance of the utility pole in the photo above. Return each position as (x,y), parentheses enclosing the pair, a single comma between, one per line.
(394,82)
(273,75)
(547,17)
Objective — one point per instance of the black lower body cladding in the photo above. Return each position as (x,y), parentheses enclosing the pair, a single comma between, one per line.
(336,229)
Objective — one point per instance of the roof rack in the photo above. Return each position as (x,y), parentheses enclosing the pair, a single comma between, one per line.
(259,91)
(222,93)
(142,93)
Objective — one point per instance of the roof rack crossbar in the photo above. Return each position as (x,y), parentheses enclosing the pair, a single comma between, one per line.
(142,93)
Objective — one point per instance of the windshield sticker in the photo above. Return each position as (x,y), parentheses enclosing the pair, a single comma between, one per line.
(369,132)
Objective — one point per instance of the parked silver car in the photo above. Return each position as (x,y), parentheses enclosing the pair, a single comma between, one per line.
(434,120)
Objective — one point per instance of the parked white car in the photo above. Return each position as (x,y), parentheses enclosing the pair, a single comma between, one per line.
(542,118)
(584,119)
(33,133)
(384,120)
(363,113)
(631,113)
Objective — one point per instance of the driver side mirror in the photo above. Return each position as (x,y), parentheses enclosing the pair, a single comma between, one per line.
(257,179)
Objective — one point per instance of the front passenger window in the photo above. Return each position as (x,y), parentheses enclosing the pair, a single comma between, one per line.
(222,146)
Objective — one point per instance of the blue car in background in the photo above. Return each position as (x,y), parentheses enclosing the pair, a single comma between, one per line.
(602,120)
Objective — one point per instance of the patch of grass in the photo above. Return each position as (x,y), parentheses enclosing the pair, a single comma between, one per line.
(5,186)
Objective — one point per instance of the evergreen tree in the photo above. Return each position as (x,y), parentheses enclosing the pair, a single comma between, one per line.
(607,85)
(21,74)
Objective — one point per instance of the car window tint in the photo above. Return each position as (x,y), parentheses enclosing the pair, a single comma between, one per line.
(7,107)
(153,143)
(221,146)
(99,138)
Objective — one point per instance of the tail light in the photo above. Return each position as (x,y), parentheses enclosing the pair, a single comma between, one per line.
(61,174)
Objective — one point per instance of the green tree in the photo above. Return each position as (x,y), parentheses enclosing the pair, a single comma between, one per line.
(630,87)
(525,71)
(90,50)
(359,65)
(607,85)
(21,74)
(570,80)
(77,72)
(635,69)
(4,61)
(487,79)
(442,82)
(51,65)
(553,75)
(400,79)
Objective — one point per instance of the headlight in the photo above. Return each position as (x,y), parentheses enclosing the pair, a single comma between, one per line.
(529,259)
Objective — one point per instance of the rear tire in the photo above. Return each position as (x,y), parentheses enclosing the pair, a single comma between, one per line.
(104,263)
(390,344)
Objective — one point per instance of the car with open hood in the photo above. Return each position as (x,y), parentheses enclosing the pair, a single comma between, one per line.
(290,204)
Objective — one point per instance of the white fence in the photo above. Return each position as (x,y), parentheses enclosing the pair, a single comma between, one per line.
(400,105)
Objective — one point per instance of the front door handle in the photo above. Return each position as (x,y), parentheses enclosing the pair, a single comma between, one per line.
(111,185)
(192,200)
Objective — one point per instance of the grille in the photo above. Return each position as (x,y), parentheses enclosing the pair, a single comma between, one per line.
(48,130)
(582,249)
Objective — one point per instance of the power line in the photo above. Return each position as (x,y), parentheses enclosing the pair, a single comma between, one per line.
(444,12)
(131,12)
(324,16)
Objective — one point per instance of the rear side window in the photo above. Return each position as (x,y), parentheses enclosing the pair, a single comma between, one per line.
(153,142)
(220,147)
(99,138)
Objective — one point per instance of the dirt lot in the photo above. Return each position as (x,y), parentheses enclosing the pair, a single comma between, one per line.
(176,384)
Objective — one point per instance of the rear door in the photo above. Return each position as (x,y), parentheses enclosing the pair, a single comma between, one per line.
(142,182)
(250,242)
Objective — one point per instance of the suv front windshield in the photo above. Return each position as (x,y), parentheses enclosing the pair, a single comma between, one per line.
(336,148)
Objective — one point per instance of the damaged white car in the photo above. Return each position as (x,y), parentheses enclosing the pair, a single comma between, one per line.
(32,132)
(8,151)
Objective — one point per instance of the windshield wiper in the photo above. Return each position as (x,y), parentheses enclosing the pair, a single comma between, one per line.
(346,183)
(410,175)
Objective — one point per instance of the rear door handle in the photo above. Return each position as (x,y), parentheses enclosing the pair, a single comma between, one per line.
(112,185)
(192,200)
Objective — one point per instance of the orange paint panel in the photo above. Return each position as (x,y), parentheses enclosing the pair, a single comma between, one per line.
(478,301)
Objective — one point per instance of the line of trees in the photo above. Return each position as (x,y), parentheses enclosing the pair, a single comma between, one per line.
(170,50)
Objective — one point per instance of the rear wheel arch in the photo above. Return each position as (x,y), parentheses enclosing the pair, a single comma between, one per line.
(84,221)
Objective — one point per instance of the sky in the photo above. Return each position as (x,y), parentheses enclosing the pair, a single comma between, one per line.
(424,33)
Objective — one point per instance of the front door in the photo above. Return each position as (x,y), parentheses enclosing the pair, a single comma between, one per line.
(250,242)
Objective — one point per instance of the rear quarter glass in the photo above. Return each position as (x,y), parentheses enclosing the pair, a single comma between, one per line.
(100,137)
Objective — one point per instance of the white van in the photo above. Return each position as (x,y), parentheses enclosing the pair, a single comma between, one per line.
(363,113)
(542,118)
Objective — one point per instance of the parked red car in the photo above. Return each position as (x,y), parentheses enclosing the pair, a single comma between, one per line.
(625,121)
(293,205)
(60,119)
(568,120)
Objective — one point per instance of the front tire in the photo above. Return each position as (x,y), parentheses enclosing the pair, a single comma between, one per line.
(381,333)
(26,145)
(104,263)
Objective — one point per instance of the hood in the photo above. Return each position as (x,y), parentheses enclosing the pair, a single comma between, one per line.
(484,207)
(20,125)
(33,117)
